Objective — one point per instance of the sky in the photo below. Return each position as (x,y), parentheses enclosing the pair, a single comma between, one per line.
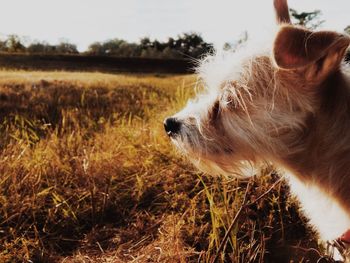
(83,22)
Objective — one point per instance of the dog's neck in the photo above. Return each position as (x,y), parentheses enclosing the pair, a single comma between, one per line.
(326,154)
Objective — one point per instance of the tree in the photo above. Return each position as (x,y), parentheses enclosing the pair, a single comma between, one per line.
(170,43)
(145,43)
(13,44)
(308,19)
(66,48)
(192,45)
(3,46)
(112,46)
(95,49)
(233,46)
(347,30)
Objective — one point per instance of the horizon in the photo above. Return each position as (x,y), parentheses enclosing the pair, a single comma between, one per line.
(83,22)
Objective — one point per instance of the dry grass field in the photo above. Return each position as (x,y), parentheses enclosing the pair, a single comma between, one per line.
(87,174)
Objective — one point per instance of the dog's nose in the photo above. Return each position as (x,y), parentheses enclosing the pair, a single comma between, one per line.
(172,126)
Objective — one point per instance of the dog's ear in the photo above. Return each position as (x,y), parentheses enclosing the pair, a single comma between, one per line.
(282,11)
(318,53)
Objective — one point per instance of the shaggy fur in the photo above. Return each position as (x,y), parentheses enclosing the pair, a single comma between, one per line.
(289,105)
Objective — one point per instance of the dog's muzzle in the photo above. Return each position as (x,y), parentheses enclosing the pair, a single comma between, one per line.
(172,126)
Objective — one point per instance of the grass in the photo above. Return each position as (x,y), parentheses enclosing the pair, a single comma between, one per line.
(87,174)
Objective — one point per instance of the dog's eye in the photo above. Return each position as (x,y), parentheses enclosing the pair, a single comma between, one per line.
(215,111)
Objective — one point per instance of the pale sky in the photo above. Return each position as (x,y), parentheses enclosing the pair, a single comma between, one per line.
(84,21)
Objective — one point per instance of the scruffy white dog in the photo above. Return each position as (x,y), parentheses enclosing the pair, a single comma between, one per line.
(288,105)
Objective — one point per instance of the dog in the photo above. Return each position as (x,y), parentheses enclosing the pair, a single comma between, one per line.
(287,104)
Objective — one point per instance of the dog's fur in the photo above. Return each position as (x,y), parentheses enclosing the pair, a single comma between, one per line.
(288,105)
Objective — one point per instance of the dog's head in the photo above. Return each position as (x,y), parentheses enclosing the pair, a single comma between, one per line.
(257,105)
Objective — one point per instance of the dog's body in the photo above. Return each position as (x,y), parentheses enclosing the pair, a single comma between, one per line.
(290,106)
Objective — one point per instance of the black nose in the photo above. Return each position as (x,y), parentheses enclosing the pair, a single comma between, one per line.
(172,126)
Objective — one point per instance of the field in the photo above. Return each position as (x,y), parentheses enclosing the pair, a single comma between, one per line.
(87,174)
(107,64)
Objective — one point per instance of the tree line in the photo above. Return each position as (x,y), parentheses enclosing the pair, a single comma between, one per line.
(14,44)
(187,45)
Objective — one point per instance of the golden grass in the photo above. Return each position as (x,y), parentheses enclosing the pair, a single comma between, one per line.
(88,79)
(88,175)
